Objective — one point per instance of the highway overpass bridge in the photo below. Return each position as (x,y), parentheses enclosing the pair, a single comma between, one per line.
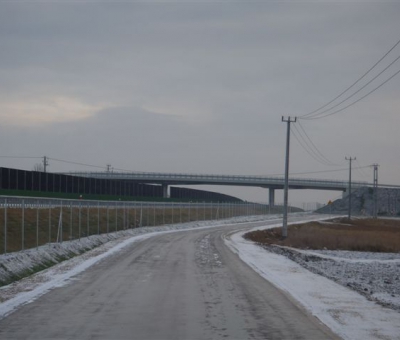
(270,182)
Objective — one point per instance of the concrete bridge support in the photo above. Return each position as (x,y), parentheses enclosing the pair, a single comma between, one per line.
(165,190)
(271,199)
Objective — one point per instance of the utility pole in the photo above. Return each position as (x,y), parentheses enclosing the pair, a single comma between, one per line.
(286,187)
(45,163)
(108,167)
(350,159)
(375,189)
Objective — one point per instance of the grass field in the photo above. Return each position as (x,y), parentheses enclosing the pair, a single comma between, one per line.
(373,235)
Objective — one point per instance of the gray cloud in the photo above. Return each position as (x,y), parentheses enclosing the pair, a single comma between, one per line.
(196,87)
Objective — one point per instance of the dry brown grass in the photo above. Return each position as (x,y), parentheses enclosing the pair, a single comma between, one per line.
(342,234)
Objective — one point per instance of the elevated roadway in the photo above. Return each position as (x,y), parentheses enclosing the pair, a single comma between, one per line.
(271,182)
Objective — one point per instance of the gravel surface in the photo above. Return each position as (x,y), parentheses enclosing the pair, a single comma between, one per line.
(374,275)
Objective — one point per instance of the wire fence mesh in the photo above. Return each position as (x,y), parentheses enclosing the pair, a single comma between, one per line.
(31,222)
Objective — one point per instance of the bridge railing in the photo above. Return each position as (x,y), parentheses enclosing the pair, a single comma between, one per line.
(260,180)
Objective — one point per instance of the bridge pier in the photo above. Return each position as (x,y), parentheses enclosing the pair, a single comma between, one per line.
(165,190)
(271,198)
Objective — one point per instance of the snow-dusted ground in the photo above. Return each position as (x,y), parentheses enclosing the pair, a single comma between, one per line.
(348,313)
(374,275)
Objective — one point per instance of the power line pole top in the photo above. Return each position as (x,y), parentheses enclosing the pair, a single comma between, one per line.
(289,119)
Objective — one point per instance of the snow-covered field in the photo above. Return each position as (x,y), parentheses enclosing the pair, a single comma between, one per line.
(347,312)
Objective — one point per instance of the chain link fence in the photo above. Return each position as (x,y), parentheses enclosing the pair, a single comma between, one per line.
(31,222)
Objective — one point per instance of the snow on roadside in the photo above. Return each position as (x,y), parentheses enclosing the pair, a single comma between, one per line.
(346,312)
(16,265)
(373,275)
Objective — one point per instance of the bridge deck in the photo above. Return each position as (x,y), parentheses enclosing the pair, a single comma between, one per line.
(232,180)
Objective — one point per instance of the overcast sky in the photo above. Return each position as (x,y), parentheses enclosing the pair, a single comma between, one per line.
(199,87)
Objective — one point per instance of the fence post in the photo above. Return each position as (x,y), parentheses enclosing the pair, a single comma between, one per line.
(5,226)
(141,214)
(23,225)
(60,224)
(79,220)
(98,218)
(148,213)
(70,220)
(128,220)
(154,213)
(107,218)
(116,216)
(49,205)
(124,216)
(87,220)
(37,225)
(134,216)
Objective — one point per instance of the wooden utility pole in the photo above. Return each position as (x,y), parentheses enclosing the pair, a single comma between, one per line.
(45,163)
(375,190)
(286,187)
(350,159)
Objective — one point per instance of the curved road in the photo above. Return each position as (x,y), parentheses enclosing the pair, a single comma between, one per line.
(180,285)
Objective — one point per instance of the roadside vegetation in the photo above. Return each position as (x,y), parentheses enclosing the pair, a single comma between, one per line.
(372,235)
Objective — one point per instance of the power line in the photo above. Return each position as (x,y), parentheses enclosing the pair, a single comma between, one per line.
(17,157)
(316,149)
(315,116)
(360,169)
(102,167)
(355,102)
(314,112)
(76,163)
(88,165)
(320,172)
(320,153)
(309,150)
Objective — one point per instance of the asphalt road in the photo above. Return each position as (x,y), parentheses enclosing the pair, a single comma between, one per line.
(181,285)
